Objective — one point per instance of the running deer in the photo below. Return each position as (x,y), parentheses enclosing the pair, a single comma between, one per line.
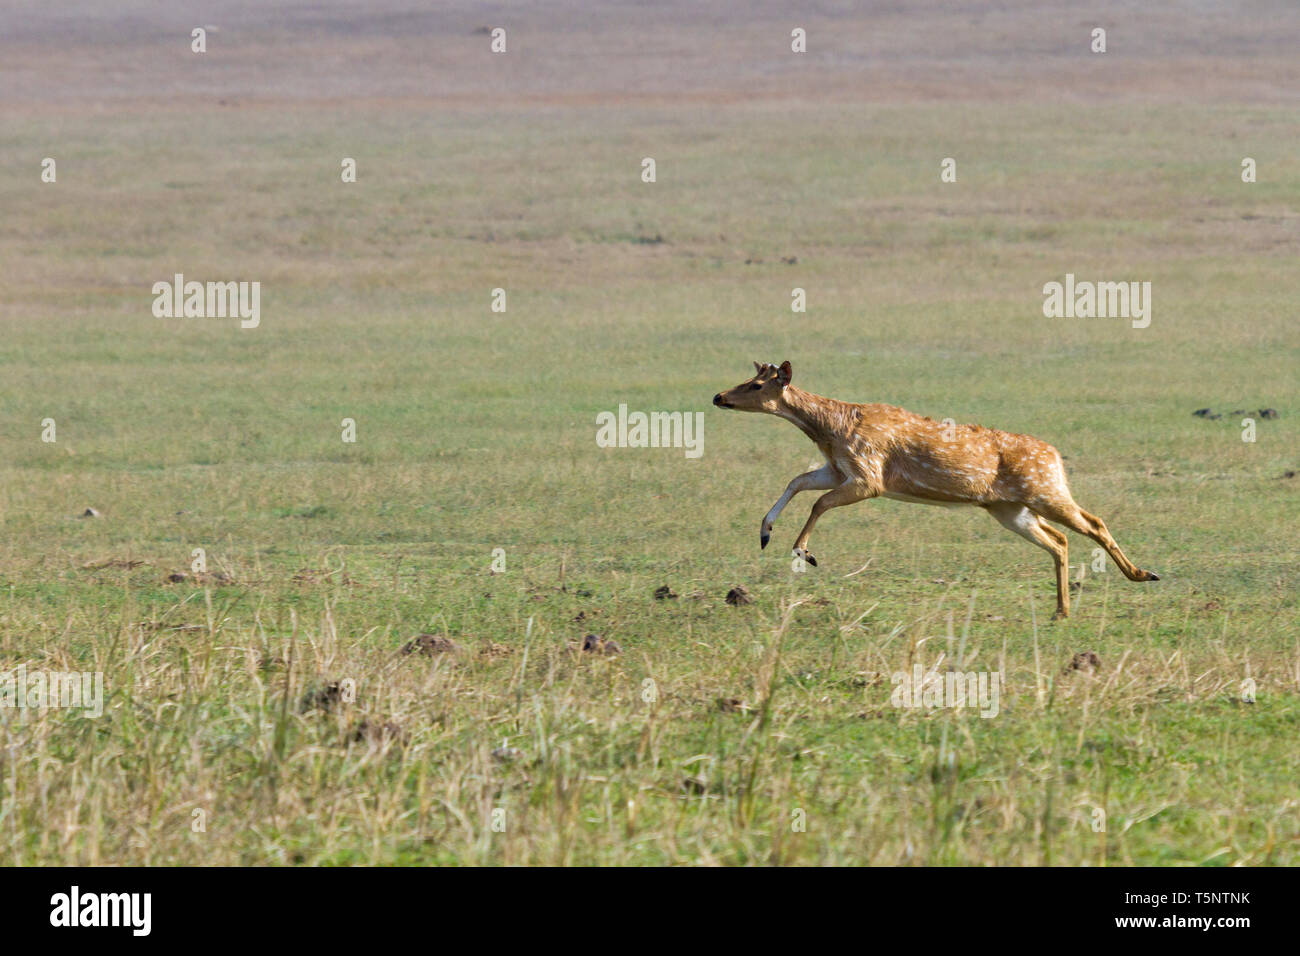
(882,451)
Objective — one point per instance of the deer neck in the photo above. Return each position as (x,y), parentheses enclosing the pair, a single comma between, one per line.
(818,418)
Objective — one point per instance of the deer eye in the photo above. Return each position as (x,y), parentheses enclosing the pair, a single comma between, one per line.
(754,386)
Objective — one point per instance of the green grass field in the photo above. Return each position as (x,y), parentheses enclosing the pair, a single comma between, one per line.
(720,735)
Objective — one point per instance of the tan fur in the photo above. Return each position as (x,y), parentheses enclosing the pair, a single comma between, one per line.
(880,450)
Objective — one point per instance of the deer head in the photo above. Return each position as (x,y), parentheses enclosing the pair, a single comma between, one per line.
(761,393)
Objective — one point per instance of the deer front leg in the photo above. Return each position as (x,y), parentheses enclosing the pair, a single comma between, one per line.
(845,494)
(820,479)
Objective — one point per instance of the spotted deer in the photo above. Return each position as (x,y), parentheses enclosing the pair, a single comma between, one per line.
(881,451)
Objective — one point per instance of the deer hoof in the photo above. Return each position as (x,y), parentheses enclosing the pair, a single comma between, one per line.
(806,555)
(1152,576)
(763,538)
(1060,615)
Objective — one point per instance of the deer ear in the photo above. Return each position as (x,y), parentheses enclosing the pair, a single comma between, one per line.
(758,367)
(783,374)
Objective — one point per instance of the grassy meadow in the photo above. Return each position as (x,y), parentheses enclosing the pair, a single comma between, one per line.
(720,734)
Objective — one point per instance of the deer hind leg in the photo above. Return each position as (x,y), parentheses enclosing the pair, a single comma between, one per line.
(1029,526)
(845,494)
(820,479)
(1068,513)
